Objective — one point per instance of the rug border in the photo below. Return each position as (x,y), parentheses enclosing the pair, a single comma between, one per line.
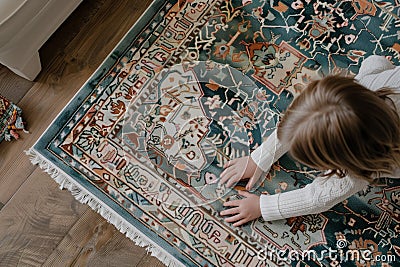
(78,191)
(87,198)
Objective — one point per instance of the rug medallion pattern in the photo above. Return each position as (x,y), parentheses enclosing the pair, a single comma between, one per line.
(196,83)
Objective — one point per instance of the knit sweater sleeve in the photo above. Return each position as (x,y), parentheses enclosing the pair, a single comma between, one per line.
(269,152)
(374,65)
(377,72)
(316,197)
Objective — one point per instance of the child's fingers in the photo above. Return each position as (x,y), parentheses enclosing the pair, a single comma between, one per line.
(232,203)
(227,175)
(228,172)
(254,178)
(239,223)
(230,211)
(234,218)
(229,163)
(233,180)
(223,174)
(250,183)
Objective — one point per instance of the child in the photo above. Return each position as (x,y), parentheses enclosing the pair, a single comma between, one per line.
(335,125)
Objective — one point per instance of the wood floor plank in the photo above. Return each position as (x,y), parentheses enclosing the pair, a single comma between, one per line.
(60,80)
(12,86)
(111,21)
(35,221)
(85,13)
(40,106)
(94,242)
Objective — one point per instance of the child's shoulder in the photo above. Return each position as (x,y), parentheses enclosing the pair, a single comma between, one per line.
(375,65)
(377,72)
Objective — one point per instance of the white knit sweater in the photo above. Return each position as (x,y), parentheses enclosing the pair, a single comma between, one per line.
(323,193)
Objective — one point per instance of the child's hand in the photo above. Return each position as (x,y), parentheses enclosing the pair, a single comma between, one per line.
(238,169)
(243,210)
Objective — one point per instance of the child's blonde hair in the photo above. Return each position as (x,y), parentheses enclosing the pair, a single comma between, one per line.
(336,124)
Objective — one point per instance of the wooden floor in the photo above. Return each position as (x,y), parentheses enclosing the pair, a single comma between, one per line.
(41,225)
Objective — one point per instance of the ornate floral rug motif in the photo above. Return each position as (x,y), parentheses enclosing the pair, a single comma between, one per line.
(196,83)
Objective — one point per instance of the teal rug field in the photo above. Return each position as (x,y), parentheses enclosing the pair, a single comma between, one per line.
(195,83)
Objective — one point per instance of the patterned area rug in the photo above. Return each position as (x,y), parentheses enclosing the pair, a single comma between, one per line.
(195,83)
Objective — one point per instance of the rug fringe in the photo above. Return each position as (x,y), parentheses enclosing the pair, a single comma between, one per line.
(84,197)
